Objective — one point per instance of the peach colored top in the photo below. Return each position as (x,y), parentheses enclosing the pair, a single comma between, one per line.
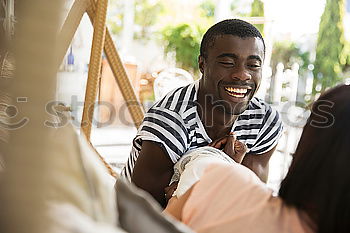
(231,198)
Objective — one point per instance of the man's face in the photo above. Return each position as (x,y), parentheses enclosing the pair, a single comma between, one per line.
(232,71)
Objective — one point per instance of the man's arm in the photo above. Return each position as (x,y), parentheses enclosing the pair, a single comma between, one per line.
(259,164)
(153,170)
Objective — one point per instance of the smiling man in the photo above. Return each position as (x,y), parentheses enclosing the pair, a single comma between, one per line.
(222,101)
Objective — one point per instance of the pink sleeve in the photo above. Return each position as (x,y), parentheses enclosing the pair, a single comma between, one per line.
(225,192)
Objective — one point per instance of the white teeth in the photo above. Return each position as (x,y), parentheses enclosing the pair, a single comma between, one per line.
(236,95)
(236,90)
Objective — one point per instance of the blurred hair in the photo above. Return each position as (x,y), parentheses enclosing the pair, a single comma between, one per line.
(235,27)
(318,181)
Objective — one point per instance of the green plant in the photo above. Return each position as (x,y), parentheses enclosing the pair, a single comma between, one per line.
(258,11)
(288,53)
(330,57)
(346,56)
(184,40)
(146,15)
(115,16)
(208,8)
(240,8)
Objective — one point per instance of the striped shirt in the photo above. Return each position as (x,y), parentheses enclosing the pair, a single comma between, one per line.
(174,123)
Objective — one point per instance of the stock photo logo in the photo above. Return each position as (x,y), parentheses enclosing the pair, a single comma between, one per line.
(291,115)
(10,112)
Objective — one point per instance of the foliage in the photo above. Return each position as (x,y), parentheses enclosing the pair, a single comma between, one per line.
(115,16)
(240,8)
(346,68)
(184,40)
(146,15)
(346,53)
(330,57)
(289,53)
(208,8)
(258,11)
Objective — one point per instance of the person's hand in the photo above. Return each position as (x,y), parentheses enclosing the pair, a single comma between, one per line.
(231,146)
(170,190)
(235,148)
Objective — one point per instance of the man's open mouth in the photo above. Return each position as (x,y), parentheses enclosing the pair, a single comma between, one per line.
(237,92)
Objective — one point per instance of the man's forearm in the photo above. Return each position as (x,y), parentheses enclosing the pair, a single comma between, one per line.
(261,171)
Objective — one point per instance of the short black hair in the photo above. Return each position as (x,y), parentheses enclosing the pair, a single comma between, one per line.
(235,27)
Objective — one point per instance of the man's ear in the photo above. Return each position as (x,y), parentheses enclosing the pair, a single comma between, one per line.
(201,63)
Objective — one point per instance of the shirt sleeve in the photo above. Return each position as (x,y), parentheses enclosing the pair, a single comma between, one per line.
(167,128)
(270,132)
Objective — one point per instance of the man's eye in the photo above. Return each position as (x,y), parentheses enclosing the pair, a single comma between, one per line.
(227,63)
(254,66)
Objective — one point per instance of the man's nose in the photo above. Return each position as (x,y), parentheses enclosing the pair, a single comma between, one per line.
(242,74)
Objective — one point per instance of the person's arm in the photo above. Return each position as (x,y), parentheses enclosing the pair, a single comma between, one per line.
(175,205)
(259,164)
(153,170)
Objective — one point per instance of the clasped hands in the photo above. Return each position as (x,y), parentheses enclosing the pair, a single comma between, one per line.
(231,146)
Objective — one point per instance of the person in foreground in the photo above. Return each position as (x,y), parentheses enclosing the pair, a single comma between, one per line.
(222,101)
(313,197)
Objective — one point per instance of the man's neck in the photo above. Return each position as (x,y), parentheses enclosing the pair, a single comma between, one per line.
(216,121)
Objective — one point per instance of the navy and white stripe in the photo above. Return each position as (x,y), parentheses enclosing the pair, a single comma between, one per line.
(175,124)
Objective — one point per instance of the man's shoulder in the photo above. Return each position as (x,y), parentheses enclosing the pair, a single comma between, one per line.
(178,100)
(258,104)
(267,112)
(258,109)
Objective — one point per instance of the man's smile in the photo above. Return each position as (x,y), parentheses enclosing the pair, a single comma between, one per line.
(238,92)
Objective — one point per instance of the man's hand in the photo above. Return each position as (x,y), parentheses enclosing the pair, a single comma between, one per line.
(231,146)
(259,164)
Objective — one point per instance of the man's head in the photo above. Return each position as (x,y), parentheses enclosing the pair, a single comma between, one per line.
(231,56)
(234,27)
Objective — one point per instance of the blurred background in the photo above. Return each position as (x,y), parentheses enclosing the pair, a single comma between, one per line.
(307,51)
